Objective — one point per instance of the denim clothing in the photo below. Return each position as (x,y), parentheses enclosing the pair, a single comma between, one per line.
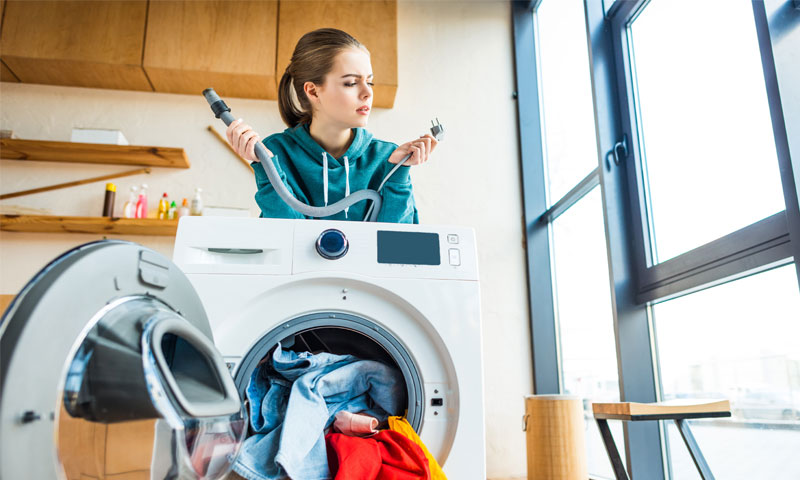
(295,397)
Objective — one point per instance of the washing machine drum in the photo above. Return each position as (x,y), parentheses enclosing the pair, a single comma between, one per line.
(108,335)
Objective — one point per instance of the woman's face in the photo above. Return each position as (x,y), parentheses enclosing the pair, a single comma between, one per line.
(345,98)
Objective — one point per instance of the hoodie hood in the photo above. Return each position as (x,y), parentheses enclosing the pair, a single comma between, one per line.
(301,135)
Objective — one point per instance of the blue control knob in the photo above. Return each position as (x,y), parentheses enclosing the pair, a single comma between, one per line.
(332,244)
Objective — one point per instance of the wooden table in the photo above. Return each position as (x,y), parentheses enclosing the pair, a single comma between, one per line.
(677,410)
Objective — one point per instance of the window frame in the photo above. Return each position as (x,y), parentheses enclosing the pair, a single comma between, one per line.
(635,283)
(760,246)
(633,331)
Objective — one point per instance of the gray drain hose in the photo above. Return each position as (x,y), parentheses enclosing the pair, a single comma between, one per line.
(265,160)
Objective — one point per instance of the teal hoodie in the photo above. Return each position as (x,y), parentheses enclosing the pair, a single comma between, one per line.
(299,161)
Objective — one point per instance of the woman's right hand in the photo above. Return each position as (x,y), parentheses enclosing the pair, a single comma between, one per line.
(243,139)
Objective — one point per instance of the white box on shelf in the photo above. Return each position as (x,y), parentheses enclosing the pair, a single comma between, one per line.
(95,135)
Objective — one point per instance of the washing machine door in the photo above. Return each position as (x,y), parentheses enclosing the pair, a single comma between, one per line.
(107,365)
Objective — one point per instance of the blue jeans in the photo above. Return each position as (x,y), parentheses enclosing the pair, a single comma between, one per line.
(294,398)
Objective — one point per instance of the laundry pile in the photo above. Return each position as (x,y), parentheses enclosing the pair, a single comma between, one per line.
(316,417)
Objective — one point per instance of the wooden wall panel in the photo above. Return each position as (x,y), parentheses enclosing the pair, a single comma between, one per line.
(230,46)
(372,23)
(77,43)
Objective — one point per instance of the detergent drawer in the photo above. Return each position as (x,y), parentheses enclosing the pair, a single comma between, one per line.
(228,245)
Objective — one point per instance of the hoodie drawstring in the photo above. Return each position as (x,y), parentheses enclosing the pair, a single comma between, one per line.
(325,177)
(347,182)
(325,180)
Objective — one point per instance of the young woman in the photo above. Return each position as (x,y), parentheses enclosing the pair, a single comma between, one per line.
(326,152)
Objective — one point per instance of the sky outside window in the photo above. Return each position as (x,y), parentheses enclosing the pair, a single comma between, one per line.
(566,97)
(705,127)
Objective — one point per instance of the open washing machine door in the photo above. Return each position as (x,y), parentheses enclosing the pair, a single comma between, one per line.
(108,335)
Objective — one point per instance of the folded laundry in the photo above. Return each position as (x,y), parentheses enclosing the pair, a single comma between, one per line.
(355,424)
(294,397)
(401,425)
(387,455)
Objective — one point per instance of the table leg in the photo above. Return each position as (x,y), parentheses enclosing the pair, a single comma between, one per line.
(611,449)
(694,449)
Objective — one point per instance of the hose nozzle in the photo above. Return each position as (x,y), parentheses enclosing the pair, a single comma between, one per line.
(217,104)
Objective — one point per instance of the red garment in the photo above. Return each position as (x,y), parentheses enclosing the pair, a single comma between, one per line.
(387,455)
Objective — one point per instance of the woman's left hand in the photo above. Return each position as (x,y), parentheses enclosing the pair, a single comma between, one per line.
(420,150)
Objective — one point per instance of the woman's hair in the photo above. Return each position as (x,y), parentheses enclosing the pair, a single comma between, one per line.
(311,61)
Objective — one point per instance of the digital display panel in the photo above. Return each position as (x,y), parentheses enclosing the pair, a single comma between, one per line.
(410,248)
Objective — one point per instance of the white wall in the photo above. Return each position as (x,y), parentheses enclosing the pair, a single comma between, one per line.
(455,63)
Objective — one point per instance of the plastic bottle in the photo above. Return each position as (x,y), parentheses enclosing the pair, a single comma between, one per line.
(163,207)
(108,200)
(141,203)
(197,202)
(172,212)
(129,209)
(184,210)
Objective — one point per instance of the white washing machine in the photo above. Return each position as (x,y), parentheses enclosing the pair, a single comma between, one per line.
(407,295)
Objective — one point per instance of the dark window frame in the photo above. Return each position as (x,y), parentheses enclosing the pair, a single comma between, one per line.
(636,283)
(754,248)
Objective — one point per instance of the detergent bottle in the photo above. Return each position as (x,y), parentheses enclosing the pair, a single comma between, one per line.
(197,202)
(141,203)
(163,207)
(184,210)
(129,209)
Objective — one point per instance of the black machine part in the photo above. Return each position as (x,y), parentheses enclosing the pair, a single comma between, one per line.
(106,380)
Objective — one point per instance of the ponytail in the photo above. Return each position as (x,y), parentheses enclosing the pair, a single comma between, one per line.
(291,115)
(311,61)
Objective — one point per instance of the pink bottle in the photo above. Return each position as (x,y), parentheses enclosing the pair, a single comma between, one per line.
(141,203)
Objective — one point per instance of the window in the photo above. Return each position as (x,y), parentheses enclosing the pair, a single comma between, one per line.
(585,323)
(581,302)
(737,341)
(571,150)
(705,136)
(677,276)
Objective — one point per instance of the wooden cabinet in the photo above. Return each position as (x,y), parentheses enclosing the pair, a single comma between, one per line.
(77,43)
(229,46)
(6,75)
(240,48)
(373,23)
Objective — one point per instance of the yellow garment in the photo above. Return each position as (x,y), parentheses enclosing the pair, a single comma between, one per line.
(401,425)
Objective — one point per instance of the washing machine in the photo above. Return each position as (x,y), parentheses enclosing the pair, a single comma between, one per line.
(406,295)
(112,334)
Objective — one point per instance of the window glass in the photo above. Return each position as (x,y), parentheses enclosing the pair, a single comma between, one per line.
(566,95)
(585,324)
(738,341)
(704,126)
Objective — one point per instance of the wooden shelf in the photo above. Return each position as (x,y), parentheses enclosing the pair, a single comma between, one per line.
(73,152)
(93,225)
